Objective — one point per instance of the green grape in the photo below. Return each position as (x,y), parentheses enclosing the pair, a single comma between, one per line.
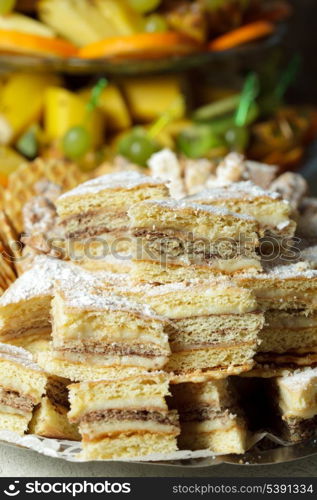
(28,142)
(137,147)
(144,6)
(237,139)
(7,6)
(155,24)
(76,142)
(196,141)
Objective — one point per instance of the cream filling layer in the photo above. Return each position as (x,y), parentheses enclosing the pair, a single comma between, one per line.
(226,266)
(216,424)
(154,363)
(97,430)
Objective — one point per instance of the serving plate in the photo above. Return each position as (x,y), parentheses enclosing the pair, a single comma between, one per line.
(16,62)
(275,452)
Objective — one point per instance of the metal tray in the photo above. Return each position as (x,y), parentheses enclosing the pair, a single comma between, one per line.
(274,453)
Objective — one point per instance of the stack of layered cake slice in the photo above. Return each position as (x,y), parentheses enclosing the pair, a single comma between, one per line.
(186,310)
(126,417)
(288,295)
(274,214)
(210,417)
(178,240)
(213,326)
(293,405)
(22,384)
(93,217)
(97,334)
(185,255)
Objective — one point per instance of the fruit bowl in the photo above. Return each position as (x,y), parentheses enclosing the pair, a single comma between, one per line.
(72,65)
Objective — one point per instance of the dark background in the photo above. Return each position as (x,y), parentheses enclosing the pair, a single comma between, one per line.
(302,37)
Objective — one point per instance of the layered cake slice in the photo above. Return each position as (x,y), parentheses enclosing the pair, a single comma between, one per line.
(50,416)
(175,241)
(124,418)
(25,307)
(288,295)
(93,216)
(97,334)
(284,287)
(209,417)
(272,212)
(295,397)
(22,383)
(213,326)
(288,337)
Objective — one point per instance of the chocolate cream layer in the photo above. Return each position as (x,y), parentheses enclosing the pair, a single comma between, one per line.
(203,413)
(115,349)
(94,223)
(38,327)
(178,246)
(14,402)
(168,418)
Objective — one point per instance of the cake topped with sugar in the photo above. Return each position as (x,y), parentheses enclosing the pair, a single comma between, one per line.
(197,208)
(39,280)
(121,180)
(246,191)
(18,355)
(85,296)
(298,270)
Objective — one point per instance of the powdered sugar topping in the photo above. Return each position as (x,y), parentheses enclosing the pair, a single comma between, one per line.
(120,180)
(287,271)
(39,280)
(210,209)
(18,355)
(96,298)
(236,190)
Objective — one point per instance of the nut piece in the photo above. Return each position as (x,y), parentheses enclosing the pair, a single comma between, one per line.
(165,165)
(261,174)
(197,173)
(231,169)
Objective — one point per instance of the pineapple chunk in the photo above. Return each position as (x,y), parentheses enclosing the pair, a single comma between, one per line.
(149,97)
(21,101)
(121,16)
(113,105)
(88,21)
(64,109)
(67,19)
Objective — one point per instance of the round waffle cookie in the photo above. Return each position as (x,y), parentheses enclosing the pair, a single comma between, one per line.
(9,237)
(21,186)
(7,273)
